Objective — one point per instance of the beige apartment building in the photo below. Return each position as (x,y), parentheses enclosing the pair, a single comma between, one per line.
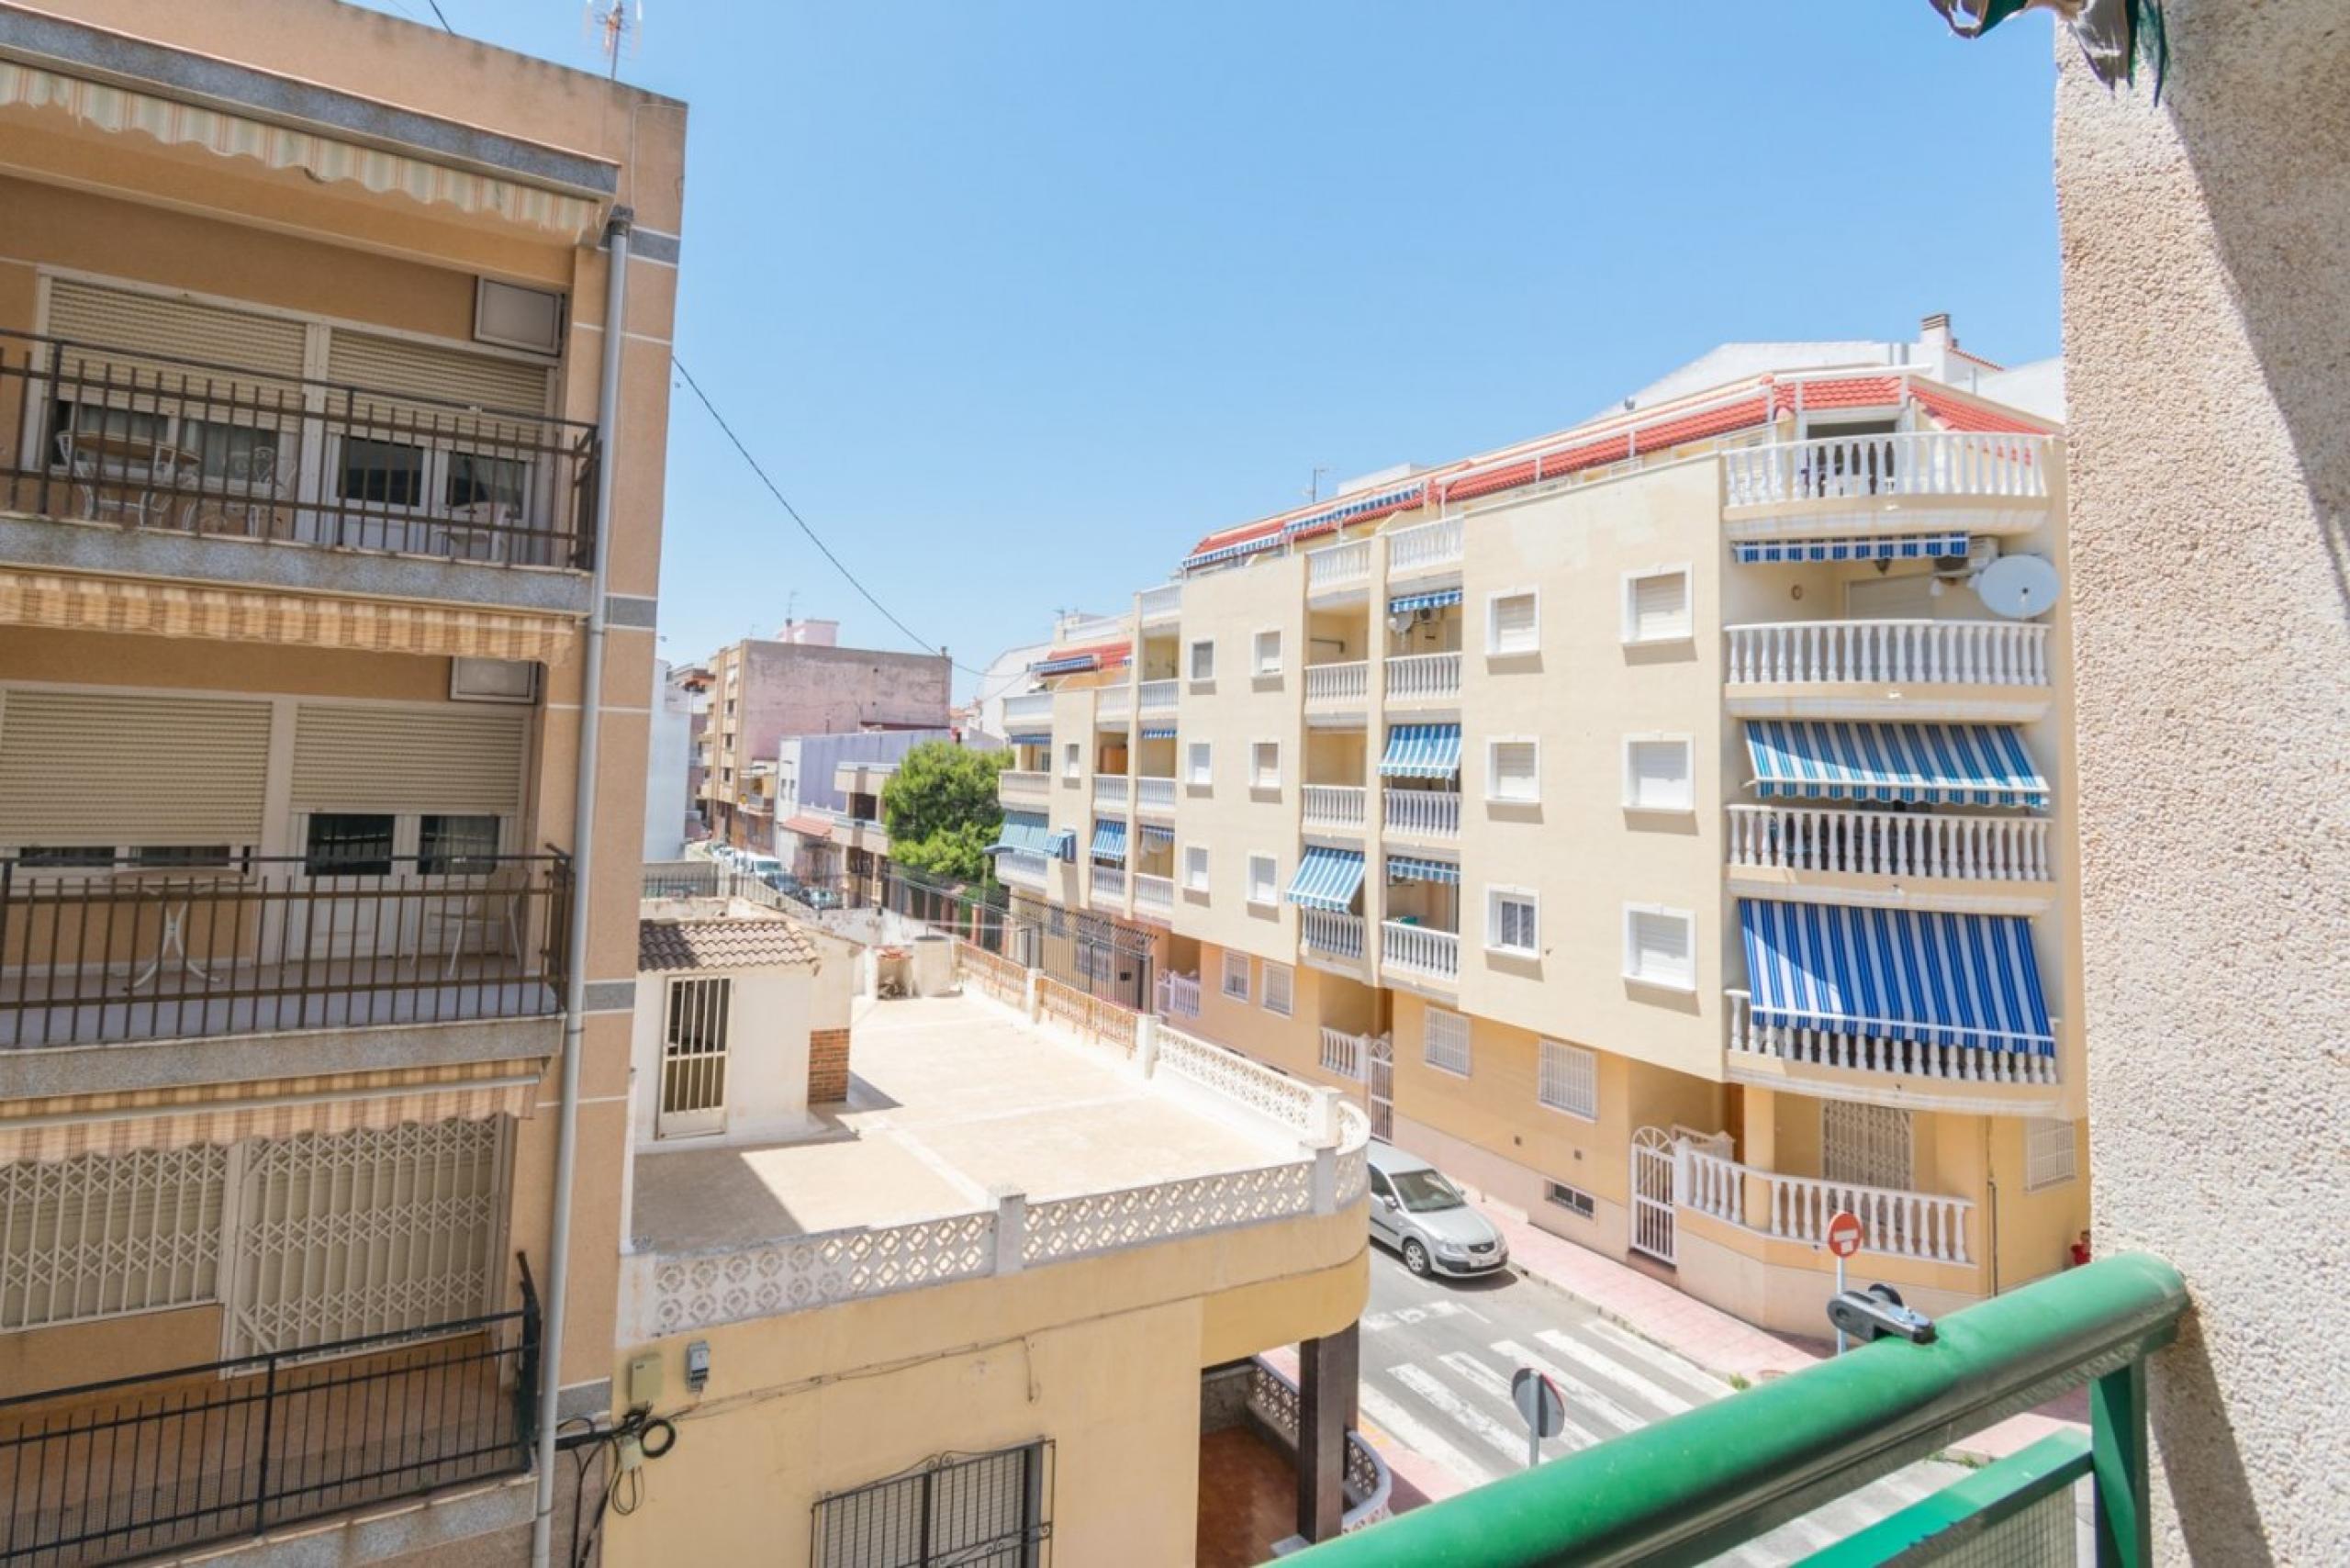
(305,456)
(1663,825)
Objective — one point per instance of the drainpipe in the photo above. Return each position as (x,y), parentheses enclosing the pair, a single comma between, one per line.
(583,862)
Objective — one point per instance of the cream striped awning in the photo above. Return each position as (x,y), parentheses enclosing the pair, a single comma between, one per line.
(61,602)
(184,1117)
(323,158)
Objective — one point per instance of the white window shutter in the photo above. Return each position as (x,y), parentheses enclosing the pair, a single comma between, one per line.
(1659,608)
(1658,776)
(1660,948)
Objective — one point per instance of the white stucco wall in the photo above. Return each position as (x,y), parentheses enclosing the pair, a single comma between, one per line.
(2207,293)
(668,759)
(766,1052)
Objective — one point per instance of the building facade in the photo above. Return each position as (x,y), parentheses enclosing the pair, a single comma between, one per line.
(303,319)
(1664,826)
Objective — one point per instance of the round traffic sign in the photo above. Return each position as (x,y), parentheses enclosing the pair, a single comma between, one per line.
(1844,1233)
(1538,1401)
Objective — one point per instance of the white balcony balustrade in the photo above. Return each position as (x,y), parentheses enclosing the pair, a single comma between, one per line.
(1338,685)
(1335,808)
(1425,548)
(1921,463)
(1156,697)
(1113,705)
(1110,789)
(1340,566)
(1423,813)
(1329,934)
(1013,785)
(1178,995)
(1420,950)
(1872,1046)
(1797,1208)
(1344,1054)
(1155,794)
(1889,844)
(1154,893)
(1109,884)
(1021,869)
(1028,705)
(1889,653)
(1164,602)
(1423,678)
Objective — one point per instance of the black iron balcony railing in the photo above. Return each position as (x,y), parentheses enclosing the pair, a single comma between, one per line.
(107,434)
(109,1472)
(107,950)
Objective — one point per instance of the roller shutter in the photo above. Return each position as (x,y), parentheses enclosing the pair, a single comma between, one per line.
(393,759)
(110,326)
(88,767)
(435,377)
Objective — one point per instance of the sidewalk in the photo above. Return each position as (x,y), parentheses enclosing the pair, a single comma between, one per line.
(1721,1344)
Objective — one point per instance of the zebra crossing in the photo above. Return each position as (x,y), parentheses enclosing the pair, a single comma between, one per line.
(1437,1363)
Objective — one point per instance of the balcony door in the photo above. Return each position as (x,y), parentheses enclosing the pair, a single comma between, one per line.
(397,885)
(693,1057)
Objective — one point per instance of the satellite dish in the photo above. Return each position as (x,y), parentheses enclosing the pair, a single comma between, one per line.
(2018,586)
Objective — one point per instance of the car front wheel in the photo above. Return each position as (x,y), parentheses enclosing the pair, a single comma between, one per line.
(1415,1258)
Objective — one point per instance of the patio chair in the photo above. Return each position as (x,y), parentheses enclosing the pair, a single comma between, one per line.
(489,912)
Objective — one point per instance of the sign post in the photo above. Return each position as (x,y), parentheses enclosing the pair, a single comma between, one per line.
(1844,1239)
(1538,1400)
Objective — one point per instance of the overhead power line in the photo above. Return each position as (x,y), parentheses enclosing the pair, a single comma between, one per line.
(793,512)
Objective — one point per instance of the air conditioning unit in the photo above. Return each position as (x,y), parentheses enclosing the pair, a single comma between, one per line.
(1980,552)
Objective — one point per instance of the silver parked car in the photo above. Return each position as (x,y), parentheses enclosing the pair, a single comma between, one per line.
(1415,1210)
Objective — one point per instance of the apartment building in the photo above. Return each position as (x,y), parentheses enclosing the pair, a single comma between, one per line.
(800,683)
(304,465)
(1664,826)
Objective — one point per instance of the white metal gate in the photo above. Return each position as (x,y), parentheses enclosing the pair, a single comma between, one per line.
(1655,1158)
(1378,1084)
(693,1057)
(363,1232)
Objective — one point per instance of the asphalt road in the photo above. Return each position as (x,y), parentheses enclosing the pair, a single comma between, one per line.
(1437,1356)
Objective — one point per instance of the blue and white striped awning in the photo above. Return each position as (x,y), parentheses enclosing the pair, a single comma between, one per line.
(1885,547)
(1110,839)
(1421,751)
(1159,732)
(1405,603)
(1954,765)
(1030,737)
(1154,833)
(1061,843)
(1327,879)
(1900,974)
(1026,831)
(1067,664)
(1379,500)
(1413,868)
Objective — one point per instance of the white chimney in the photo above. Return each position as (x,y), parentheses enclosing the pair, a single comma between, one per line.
(1935,340)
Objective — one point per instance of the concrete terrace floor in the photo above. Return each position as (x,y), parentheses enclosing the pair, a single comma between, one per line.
(951,1098)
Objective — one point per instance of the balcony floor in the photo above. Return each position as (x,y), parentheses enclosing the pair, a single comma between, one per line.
(81,1009)
(1248,1499)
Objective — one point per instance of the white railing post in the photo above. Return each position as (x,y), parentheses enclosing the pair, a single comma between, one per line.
(1010,1228)
(1146,1043)
(1326,1177)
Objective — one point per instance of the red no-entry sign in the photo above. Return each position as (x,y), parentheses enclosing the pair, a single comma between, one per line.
(1844,1233)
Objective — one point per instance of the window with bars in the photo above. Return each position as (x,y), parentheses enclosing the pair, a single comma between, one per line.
(1236,976)
(990,1510)
(1657,774)
(1574,1200)
(1512,770)
(1569,1080)
(2049,1153)
(1656,605)
(1274,987)
(1512,922)
(1864,1146)
(1513,623)
(1659,947)
(1444,1040)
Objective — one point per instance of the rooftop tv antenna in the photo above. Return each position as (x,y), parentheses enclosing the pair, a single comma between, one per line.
(616,25)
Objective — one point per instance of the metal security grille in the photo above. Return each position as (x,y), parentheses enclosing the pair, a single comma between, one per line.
(1444,1040)
(990,1511)
(1867,1145)
(2048,1153)
(108,1234)
(693,1056)
(1569,1080)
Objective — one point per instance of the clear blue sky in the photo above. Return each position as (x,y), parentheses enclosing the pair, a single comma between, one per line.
(1016,299)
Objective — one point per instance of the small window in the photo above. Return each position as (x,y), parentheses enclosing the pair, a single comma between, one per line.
(452,846)
(1574,1200)
(1195,868)
(1569,1080)
(348,844)
(2049,1153)
(1656,605)
(1273,986)
(1262,879)
(1444,1041)
(1513,771)
(1513,623)
(388,473)
(1657,774)
(1265,765)
(1236,976)
(1198,769)
(1072,760)
(1511,926)
(1202,665)
(1659,947)
(68,857)
(498,486)
(1268,652)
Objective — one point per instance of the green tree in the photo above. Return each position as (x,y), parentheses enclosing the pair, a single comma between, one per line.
(941,810)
